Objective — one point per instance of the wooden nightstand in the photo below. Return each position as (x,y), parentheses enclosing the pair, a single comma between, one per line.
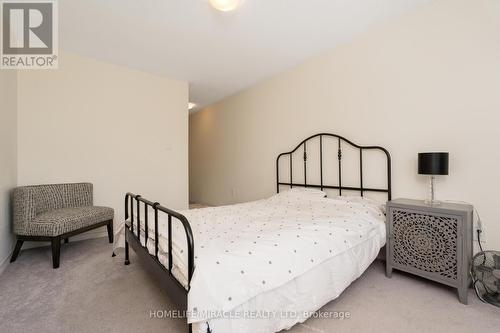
(434,242)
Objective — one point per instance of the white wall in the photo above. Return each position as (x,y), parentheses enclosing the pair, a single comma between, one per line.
(121,129)
(8,159)
(427,81)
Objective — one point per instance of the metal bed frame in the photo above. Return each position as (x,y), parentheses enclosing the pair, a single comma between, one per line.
(339,187)
(177,292)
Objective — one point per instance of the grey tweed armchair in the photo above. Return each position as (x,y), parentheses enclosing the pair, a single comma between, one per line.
(56,212)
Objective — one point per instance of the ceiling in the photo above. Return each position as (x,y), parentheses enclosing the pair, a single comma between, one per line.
(218,53)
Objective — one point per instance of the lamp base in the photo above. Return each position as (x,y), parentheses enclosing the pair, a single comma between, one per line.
(430,199)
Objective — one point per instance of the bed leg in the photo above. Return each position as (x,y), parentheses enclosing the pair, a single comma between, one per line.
(190,328)
(127,261)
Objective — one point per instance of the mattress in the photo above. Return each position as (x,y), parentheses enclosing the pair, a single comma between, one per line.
(297,251)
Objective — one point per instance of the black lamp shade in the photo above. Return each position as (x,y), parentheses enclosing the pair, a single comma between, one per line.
(433,163)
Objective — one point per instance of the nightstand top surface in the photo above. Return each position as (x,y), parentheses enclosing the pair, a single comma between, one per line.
(443,206)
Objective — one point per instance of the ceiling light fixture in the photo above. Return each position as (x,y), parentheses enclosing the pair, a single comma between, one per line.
(225,5)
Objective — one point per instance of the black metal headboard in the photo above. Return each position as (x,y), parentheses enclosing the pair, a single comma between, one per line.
(322,186)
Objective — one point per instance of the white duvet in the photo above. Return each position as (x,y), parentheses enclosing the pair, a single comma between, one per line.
(247,251)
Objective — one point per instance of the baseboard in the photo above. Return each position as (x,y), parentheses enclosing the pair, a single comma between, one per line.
(30,245)
(86,235)
(5,261)
(198,205)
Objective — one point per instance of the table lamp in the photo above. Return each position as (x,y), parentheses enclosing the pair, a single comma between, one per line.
(433,164)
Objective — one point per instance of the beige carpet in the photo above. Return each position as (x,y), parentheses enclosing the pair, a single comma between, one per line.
(93,292)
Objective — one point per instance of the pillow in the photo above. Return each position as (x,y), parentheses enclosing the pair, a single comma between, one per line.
(362,200)
(303,192)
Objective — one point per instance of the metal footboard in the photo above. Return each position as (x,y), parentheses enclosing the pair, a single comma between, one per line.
(167,280)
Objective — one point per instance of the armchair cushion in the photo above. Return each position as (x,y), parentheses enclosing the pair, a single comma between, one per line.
(60,221)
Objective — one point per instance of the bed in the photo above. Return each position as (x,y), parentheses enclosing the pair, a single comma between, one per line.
(266,265)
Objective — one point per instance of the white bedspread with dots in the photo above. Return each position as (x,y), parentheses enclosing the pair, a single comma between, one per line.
(244,250)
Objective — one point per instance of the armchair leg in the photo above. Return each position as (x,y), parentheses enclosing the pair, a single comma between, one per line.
(17,249)
(56,251)
(110,231)
(66,240)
